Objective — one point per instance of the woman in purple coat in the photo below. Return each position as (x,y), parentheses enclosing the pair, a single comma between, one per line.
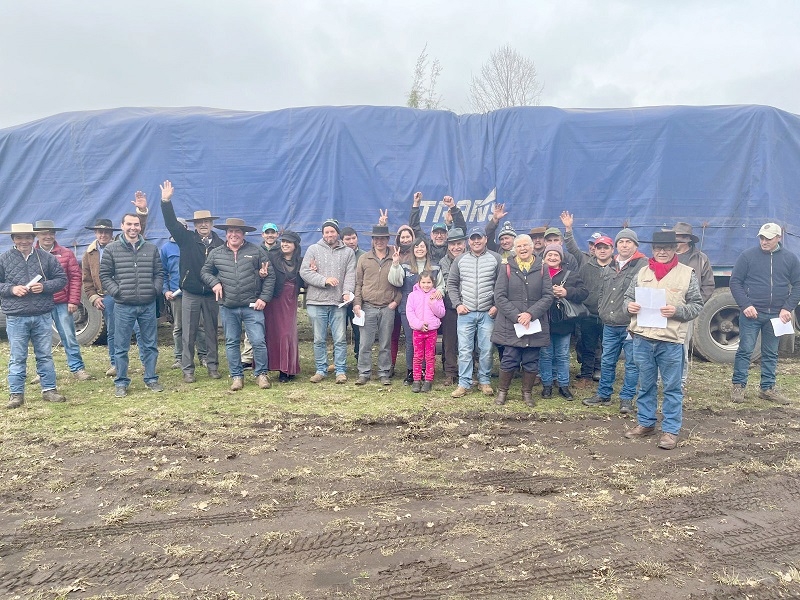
(280,315)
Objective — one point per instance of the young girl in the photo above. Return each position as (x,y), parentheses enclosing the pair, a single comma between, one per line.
(424,311)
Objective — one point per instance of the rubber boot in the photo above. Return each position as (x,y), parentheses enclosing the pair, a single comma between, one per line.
(502,387)
(528,380)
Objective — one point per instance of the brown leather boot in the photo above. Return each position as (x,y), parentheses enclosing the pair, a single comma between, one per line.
(502,387)
(528,380)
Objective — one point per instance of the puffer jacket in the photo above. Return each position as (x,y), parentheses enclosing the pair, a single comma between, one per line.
(71,294)
(132,274)
(471,280)
(516,292)
(238,272)
(15,270)
(420,309)
(612,295)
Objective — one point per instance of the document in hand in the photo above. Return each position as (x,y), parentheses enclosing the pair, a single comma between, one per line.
(360,320)
(533,327)
(780,327)
(651,300)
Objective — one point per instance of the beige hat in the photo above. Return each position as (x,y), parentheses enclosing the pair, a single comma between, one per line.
(20,228)
(231,223)
(770,230)
(199,215)
(682,228)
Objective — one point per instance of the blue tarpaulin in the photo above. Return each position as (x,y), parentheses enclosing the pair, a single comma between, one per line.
(728,168)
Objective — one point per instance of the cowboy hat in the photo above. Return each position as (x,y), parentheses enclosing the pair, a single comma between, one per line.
(200,215)
(682,228)
(103,225)
(379,231)
(17,228)
(46,224)
(231,223)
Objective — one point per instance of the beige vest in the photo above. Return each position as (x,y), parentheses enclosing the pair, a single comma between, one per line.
(677,284)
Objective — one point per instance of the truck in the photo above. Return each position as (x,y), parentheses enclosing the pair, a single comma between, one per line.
(724,169)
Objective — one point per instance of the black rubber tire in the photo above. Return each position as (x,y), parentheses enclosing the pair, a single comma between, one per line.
(716,331)
(89,324)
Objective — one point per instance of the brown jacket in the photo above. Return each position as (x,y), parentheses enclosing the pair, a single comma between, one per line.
(372,280)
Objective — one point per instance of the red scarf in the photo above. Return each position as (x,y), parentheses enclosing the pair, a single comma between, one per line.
(554,272)
(661,269)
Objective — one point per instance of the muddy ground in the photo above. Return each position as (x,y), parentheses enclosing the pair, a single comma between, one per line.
(437,506)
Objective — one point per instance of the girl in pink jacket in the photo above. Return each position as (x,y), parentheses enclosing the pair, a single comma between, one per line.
(424,311)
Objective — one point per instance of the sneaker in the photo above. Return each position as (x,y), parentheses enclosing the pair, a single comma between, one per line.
(82,375)
(566,393)
(237,383)
(427,386)
(737,393)
(189,378)
(263,381)
(773,395)
(213,372)
(176,364)
(625,407)
(596,401)
(52,396)
(668,441)
(640,431)
(120,391)
(316,377)
(386,380)
(416,386)
(111,371)
(362,380)
(409,378)
(15,400)
(459,392)
(341,378)
(154,386)
(487,390)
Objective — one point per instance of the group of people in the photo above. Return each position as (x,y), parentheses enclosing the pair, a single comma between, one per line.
(524,294)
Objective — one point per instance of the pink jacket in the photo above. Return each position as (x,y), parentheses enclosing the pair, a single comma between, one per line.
(420,309)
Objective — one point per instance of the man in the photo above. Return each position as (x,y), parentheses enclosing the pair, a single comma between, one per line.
(505,238)
(691,256)
(552,235)
(658,349)
(90,265)
(616,320)
(453,217)
(239,275)
(765,282)
(131,273)
(29,278)
(456,246)
(269,233)
(378,298)
(537,237)
(592,268)
(66,300)
(470,286)
(197,301)
(350,239)
(329,273)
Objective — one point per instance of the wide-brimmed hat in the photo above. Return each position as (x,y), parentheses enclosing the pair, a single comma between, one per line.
(682,228)
(456,234)
(20,228)
(200,215)
(537,231)
(103,225)
(379,231)
(663,238)
(234,223)
(47,224)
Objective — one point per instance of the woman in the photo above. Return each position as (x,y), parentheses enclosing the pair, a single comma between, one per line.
(523,294)
(555,356)
(280,315)
(404,274)
(403,242)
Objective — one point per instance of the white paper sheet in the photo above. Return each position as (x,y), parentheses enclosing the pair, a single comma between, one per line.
(350,298)
(360,320)
(533,327)
(651,300)
(32,281)
(780,327)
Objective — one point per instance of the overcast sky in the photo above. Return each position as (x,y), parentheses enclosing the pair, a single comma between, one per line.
(67,55)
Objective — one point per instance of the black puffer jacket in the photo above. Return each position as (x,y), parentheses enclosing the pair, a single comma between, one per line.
(516,292)
(132,274)
(193,251)
(238,274)
(15,270)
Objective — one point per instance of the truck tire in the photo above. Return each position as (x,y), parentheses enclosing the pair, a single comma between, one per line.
(716,331)
(89,324)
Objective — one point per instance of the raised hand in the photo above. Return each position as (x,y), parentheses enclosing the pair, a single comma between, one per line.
(396,255)
(498,212)
(264,270)
(140,200)
(166,191)
(417,198)
(567,219)
(448,202)
(383,220)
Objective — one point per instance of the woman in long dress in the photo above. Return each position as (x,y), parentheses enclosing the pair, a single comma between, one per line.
(280,315)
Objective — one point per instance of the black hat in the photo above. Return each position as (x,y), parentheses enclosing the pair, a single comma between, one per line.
(331,223)
(379,231)
(103,225)
(290,236)
(663,238)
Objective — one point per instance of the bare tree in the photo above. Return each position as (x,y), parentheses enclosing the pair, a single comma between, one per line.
(423,89)
(506,79)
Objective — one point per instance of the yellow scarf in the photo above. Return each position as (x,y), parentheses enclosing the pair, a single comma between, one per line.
(525,266)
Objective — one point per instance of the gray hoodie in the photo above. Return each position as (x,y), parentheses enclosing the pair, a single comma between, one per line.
(338,262)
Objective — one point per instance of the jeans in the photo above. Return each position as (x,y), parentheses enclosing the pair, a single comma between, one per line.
(126,318)
(468,325)
(198,317)
(555,355)
(424,352)
(591,333)
(37,330)
(653,357)
(686,349)
(233,319)
(108,315)
(323,316)
(748,334)
(614,341)
(408,332)
(378,323)
(65,325)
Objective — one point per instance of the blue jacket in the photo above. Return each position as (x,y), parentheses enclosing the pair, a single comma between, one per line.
(768,281)
(171,261)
